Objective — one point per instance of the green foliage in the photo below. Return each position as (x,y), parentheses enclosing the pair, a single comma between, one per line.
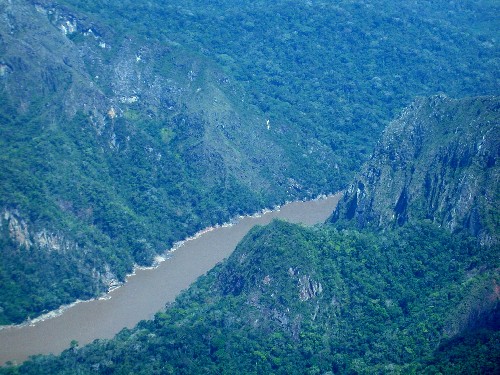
(327,75)
(384,302)
(105,209)
(475,353)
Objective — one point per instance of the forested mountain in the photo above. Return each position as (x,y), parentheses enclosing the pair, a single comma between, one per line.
(438,161)
(126,126)
(420,297)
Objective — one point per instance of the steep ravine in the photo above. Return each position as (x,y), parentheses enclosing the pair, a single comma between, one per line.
(128,125)
(356,296)
(113,148)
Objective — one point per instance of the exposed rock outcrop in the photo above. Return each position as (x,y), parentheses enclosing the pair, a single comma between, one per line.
(17,228)
(25,236)
(308,288)
(437,161)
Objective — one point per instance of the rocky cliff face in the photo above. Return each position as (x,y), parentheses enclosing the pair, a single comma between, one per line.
(437,161)
(23,236)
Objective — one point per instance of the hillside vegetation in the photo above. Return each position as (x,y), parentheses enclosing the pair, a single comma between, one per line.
(413,298)
(437,161)
(127,126)
(292,300)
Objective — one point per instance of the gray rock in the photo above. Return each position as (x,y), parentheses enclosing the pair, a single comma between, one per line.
(437,161)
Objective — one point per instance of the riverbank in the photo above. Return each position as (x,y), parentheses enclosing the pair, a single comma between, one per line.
(147,289)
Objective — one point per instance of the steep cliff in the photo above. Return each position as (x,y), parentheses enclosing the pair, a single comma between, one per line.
(437,161)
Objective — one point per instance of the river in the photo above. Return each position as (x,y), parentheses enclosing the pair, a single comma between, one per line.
(147,291)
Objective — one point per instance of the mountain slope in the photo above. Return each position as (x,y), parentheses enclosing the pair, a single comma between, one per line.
(127,126)
(106,163)
(437,161)
(292,300)
(412,298)
(329,76)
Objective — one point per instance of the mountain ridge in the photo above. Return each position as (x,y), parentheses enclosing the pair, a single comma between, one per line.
(437,161)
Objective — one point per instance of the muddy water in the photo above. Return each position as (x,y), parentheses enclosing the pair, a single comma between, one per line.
(147,291)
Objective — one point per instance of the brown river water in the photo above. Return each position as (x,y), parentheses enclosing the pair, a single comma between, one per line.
(147,291)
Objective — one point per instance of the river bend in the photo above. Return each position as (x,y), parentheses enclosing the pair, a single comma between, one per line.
(148,290)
